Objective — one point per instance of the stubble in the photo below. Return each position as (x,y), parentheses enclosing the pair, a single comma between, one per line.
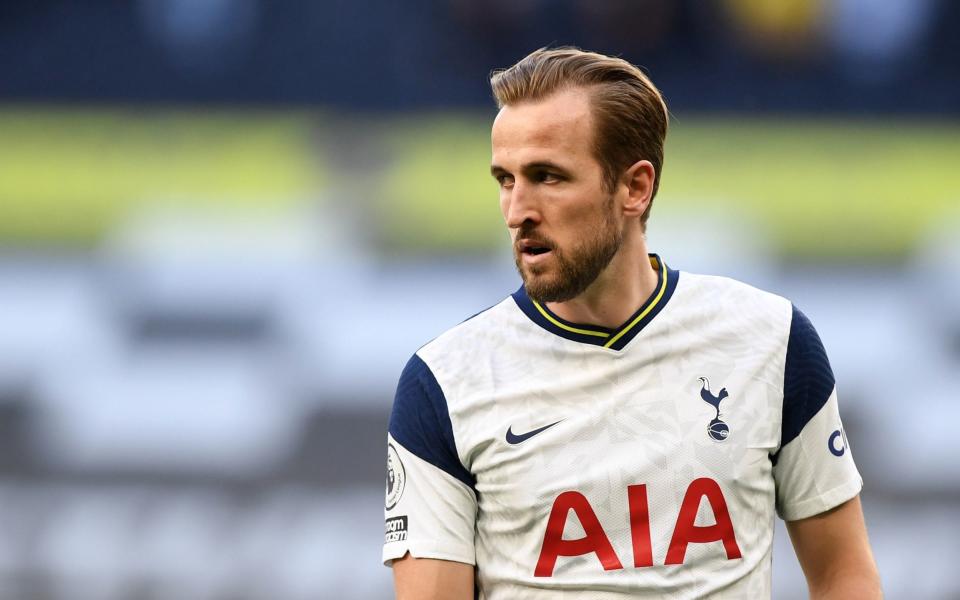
(575,269)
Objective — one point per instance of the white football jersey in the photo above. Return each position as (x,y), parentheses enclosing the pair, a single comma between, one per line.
(643,462)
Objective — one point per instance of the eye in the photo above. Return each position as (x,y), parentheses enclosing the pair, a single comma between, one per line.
(504,180)
(547,177)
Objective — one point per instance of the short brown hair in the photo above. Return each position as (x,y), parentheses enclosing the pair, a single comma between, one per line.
(630,114)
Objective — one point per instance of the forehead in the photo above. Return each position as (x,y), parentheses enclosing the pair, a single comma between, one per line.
(558,124)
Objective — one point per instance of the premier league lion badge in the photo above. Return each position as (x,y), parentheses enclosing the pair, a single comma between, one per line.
(396,477)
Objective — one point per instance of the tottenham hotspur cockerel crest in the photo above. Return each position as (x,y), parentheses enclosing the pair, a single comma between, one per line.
(717,429)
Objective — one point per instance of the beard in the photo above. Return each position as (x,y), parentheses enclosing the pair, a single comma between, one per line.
(572,270)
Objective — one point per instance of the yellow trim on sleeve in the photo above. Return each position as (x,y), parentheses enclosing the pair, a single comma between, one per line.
(567,327)
(646,311)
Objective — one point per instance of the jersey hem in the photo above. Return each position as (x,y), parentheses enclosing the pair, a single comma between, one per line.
(822,503)
(392,552)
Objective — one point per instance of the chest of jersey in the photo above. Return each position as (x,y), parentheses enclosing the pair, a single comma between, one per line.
(597,462)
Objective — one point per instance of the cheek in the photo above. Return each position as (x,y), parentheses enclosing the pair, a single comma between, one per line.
(580,211)
(586,218)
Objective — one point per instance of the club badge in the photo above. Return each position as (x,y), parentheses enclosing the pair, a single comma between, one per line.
(717,429)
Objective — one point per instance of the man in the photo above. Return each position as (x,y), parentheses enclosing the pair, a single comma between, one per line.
(614,428)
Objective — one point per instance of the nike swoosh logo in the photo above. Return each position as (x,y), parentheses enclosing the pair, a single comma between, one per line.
(513,438)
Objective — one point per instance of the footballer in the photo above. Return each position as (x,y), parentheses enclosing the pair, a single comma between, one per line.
(615,428)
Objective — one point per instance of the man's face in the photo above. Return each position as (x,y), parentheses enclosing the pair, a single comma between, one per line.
(563,222)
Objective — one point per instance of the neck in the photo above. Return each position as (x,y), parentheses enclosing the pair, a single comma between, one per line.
(617,293)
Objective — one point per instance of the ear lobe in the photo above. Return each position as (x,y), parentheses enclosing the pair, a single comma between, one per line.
(638,178)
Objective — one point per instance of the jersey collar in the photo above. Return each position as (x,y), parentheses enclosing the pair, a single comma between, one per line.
(615,339)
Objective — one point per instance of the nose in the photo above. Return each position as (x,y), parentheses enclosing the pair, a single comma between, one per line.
(519,206)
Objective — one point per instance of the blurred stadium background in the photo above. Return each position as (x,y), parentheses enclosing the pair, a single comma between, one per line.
(226,224)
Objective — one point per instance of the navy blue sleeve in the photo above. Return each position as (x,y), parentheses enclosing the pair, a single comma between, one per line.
(807,378)
(420,421)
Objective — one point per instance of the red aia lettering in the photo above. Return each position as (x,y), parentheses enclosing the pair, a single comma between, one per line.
(595,539)
(640,526)
(685,530)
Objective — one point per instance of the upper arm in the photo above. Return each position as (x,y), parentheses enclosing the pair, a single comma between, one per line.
(431,579)
(431,503)
(834,553)
(817,481)
(813,466)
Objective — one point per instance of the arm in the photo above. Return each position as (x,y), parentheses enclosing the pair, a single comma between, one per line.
(817,481)
(431,579)
(835,555)
(431,502)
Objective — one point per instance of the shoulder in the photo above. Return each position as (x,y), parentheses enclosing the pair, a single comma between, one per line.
(740,303)
(424,415)
(727,286)
(477,335)
(733,300)
(457,359)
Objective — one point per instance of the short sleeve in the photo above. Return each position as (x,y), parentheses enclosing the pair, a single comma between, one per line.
(813,467)
(431,503)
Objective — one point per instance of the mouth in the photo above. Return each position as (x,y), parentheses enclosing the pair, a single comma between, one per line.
(533,248)
(533,251)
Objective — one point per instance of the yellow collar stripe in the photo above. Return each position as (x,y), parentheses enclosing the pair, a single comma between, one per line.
(550,318)
(646,311)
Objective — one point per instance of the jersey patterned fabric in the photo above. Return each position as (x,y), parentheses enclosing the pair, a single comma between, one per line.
(644,462)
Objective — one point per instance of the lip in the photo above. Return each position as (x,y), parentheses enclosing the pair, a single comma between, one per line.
(524,244)
(532,259)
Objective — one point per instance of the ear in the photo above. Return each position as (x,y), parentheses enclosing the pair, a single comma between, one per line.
(638,179)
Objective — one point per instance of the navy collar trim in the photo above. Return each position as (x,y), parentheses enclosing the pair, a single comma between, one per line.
(615,339)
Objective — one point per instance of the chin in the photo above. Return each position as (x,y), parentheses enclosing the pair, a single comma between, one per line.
(539,271)
(541,288)
(539,276)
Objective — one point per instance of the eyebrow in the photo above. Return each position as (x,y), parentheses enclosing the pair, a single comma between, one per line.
(540,164)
